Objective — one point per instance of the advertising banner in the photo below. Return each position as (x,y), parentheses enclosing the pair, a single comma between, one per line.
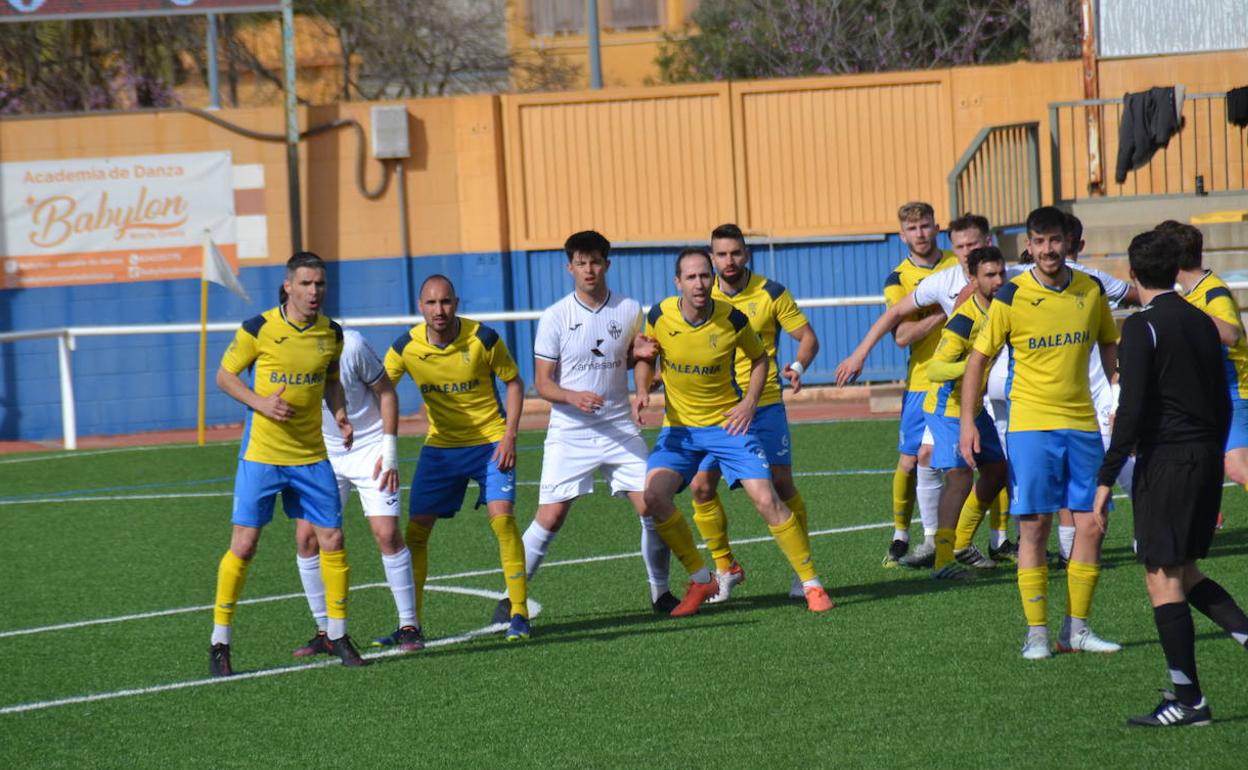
(110,220)
(43,10)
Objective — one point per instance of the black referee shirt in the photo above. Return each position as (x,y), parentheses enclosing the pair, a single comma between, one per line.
(1172,375)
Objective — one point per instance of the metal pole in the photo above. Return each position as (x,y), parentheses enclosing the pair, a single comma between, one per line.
(292,127)
(595,46)
(1092,90)
(405,237)
(69,415)
(214,76)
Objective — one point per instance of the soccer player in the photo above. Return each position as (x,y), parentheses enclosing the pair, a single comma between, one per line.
(371,467)
(293,351)
(914,476)
(1174,413)
(1050,316)
(704,415)
(454,361)
(582,354)
(769,308)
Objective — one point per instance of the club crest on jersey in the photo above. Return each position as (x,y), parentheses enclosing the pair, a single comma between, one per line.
(1079,300)
(614,329)
(753,307)
(715,340)
(464,355)
(320,345)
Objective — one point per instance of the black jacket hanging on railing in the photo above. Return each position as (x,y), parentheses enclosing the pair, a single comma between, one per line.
(1149,119)
(1237,106)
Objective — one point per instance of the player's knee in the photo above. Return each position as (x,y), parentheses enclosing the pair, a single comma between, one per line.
(924,457)
(907,463)
(701,489)
(329,539)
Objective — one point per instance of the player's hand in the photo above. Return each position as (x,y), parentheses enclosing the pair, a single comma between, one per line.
(639,405)
(587,402)
(848,370)
(964,295)
(347,430)
(795,379)
(388,481)
(505,454)
(386,469)
(739,418)
(645,348)
(968,444)
(275,408)
(1100,508)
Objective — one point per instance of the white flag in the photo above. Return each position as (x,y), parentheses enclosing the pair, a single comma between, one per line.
(218,271)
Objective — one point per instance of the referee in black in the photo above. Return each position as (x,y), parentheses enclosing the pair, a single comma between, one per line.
(1174,413)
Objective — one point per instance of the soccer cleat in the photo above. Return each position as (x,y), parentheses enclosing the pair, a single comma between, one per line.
(953,571)
(406,638)
(695,594)
(1086,641)
(219,661)
(1008,552)
(896,550)
(517,629)
(344,649)
(502,611)
(1036,648)
(922,557)
(729,580)
(796,589)
(316,645)
(973,557)
(665,603)
(1173,713)
(817,599)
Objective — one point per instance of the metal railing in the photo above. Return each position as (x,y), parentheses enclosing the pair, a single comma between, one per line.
(999,175)
(1207,154)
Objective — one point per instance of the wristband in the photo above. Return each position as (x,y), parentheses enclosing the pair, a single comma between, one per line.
(797,367)
(389,453)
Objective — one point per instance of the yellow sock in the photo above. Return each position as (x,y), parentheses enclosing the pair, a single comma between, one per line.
(676,533)
(944,547)
(1033,588)
(417,539)
(1081,579)
(903,499)
(712,524)
(999,514)
(798,506)
(511,554)
(336,575)
(795,546)
(968,521)
(231,575)
(1003,503)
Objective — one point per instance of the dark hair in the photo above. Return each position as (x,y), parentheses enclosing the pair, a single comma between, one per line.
(1154,258)
(970,222)
(981,255)
(1074,228)
(1191,243)
(303,259)
(431,279)
(587,242)
(728,230)
(1025,258)
(688,250)
(282,296)
(1046,220)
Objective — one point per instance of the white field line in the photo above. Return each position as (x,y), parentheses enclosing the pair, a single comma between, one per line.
(534,610)
(98,452)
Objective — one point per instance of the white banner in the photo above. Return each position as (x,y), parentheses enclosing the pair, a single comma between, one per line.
(104,220)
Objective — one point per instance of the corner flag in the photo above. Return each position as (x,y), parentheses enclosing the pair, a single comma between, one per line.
(218,271)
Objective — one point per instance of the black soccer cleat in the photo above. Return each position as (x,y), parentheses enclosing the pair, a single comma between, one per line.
(1007,552)
(896,550)
(502,611)
(344,649)
(317,645)
(219,661)
(665,603)
(1174,713)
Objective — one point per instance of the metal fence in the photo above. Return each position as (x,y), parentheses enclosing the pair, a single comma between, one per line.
(999,175)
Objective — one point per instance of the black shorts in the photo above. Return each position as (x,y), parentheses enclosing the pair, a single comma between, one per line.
(1176,494)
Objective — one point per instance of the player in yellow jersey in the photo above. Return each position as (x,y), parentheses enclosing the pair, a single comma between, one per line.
(706,414)
(914,476)
(1050,317)
(292,352)
(455,361)
(770,308)
(1207,291)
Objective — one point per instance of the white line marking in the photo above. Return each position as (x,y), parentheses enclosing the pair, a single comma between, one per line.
(98,452)
(535,609)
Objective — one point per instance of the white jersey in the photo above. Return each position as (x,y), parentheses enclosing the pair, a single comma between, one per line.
(942,289)
(358,369)
(590,352)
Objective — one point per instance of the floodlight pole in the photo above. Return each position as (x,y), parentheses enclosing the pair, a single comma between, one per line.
(214,79)
(292,127)
(595,45)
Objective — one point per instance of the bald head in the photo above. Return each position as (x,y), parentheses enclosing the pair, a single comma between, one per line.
(438,303)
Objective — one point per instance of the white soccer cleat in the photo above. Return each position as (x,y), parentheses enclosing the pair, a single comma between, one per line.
(729,580)
(1087,641)
(1036,648)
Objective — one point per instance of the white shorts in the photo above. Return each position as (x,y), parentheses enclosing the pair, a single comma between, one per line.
(569,463)
(355,469)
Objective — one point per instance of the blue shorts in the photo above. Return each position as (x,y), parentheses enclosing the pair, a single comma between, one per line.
(442,476)
(771,427)
(1053,469)
(1238,437)
(683,449)
(910,434)
(946,431)
(309,492)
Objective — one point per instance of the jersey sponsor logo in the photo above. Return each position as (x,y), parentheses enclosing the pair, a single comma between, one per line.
(693,368)
(589,365)
(575,327)
(1058,340)
(595,349)
(296,378)
(614,329)
(450,387)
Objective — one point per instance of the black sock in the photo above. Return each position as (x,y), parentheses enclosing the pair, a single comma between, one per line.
(1178,642)
(1212,600)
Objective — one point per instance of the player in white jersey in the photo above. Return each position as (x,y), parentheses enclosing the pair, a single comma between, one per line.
(582,354)
(371,467)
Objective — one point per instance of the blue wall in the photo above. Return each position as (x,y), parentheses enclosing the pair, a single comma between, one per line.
(145,383)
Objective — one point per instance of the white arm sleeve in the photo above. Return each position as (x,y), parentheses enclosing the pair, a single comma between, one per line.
(546,342)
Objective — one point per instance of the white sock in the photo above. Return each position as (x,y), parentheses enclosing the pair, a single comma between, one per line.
(313,587)
(657,557)
(997,536)
(220,633)
(536,540)
(902,535)
(927,490)
(701,576)
(1124,476)
(398,568)
(1065,540)
(337,628)
(1240,637)
(812,583)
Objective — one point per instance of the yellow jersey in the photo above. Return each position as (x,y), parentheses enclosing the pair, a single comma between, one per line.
(300,359)
(769,308)
(456,382)
(948,363)
(1212,295)
(699,381)
(1050,334)
(903,280)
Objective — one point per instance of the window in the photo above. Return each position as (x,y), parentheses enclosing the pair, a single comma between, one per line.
(555,17)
